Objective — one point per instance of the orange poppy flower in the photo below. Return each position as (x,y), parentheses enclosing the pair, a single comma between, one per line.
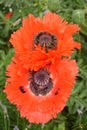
(51,32)
(40,95)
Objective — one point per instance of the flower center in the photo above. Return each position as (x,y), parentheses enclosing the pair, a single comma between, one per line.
(46,39)
(41,83)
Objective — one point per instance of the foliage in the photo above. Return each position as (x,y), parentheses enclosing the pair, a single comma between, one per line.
(74,115)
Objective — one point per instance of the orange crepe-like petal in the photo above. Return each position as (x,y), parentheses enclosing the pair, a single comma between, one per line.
(41,109)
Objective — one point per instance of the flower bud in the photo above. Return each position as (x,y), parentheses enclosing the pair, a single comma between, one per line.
(53,5)
(78,16)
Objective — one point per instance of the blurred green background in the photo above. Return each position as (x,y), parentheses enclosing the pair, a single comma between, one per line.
(74,115)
